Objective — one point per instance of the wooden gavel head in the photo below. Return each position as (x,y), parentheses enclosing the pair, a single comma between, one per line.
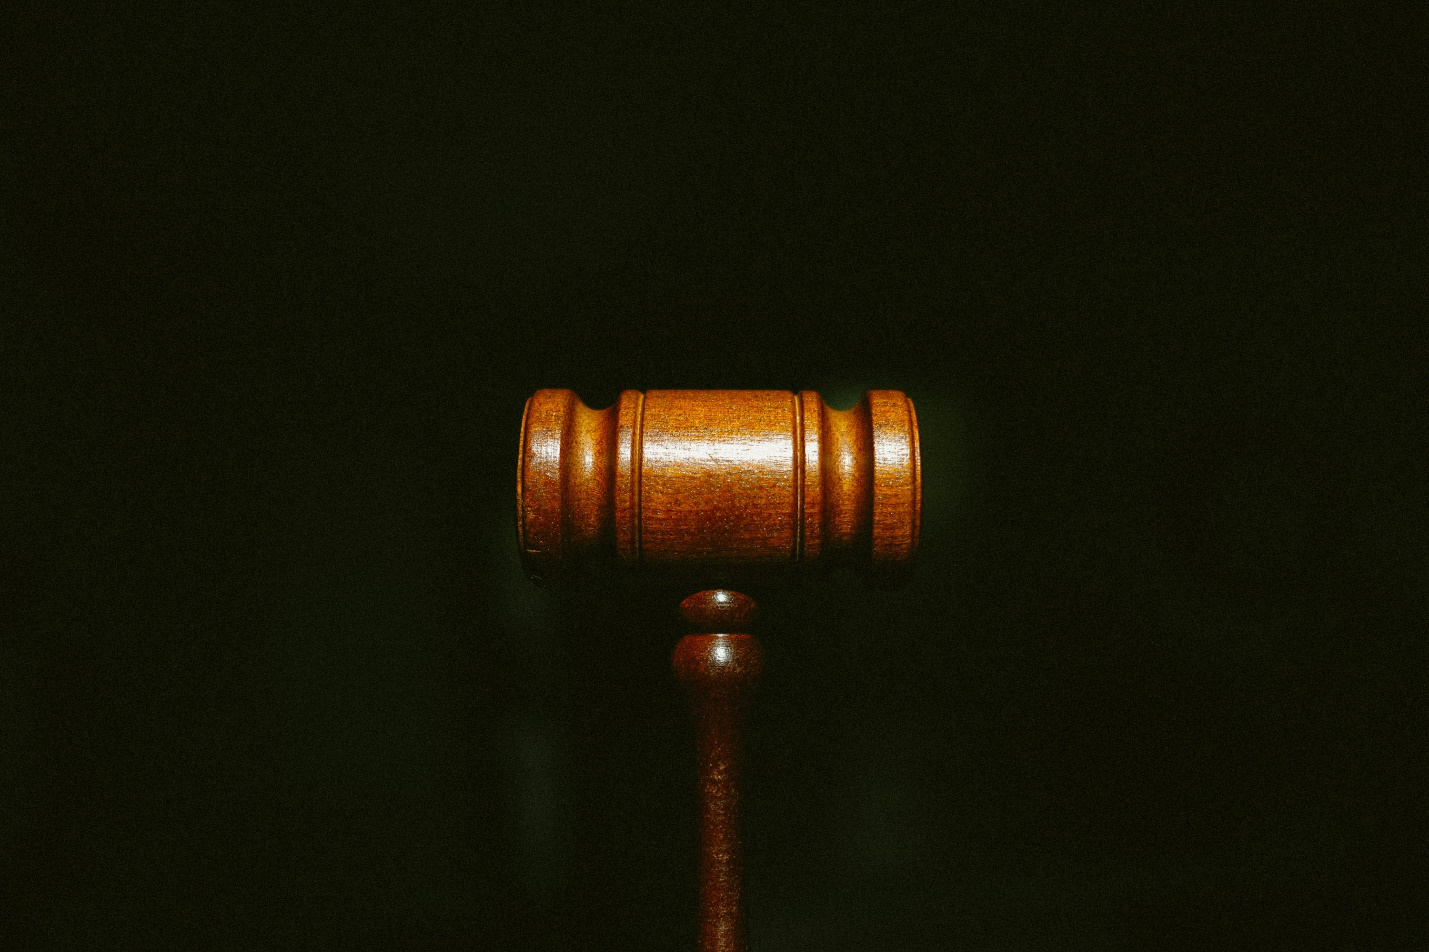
(718,479)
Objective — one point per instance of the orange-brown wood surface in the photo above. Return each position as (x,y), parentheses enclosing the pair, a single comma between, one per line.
(707,480)
(718,477)
(719,667)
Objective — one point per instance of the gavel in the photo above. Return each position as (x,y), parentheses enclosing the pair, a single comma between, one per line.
(718,485)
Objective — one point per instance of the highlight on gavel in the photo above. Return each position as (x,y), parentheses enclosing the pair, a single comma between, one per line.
(705,483)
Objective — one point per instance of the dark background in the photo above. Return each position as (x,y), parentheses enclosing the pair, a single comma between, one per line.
(272,678)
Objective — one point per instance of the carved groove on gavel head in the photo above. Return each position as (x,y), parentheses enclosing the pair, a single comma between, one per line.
(718,478)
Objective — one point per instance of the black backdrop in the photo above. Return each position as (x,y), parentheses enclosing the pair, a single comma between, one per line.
(273,679)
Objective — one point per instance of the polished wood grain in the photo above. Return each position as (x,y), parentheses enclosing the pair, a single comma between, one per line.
(731,484)
(718,478)
(719,667)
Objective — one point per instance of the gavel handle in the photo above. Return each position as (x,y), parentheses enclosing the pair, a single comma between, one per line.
(719,672)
